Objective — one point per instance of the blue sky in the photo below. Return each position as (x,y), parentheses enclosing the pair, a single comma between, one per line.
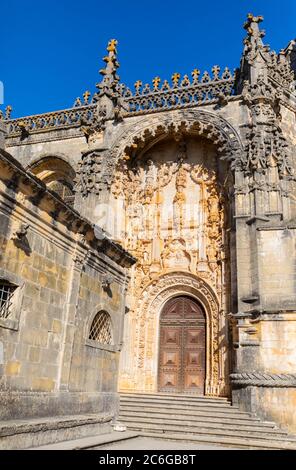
(51,50)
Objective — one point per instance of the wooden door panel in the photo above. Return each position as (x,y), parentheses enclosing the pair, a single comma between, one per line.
(194,359)
(194,383)
(169,381)
(182,347)
(171,337)
(195,337)
(171,359)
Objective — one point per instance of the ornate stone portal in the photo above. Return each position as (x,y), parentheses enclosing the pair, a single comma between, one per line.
(172,216)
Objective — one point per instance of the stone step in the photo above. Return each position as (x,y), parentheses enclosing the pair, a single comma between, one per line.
(226,405)
(134,425)
(175,398)
(196,411)
(239,443)
(195,426)
(195,418)
(182,406)
(202,413)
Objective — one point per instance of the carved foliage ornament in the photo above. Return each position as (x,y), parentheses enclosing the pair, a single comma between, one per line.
(265,145)
(90,177)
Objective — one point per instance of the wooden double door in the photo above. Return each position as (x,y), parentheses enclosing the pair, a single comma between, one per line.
(182,347)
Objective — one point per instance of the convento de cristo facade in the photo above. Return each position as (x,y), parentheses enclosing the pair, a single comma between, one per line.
(148,242)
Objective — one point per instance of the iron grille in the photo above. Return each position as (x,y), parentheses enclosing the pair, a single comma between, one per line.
(101,329)
(6,294)
(63,190)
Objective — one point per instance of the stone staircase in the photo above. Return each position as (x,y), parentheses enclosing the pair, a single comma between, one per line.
(200,420)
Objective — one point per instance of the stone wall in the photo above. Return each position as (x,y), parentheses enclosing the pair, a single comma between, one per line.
(48,365)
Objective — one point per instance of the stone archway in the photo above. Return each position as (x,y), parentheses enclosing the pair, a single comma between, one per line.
(203,123)
(146,332)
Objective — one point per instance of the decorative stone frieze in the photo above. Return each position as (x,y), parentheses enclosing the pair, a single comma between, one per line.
(263,379)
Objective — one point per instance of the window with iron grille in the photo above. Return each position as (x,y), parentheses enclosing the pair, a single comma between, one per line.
(6,294)
(101,328)
(63,190)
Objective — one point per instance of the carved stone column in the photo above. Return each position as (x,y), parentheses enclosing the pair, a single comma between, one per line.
(263,379)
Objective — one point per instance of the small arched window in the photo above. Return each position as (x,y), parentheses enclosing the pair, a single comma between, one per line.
(58,175)
(101,329)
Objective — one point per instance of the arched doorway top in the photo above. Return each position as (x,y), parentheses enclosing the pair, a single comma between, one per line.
(179,122)
(182,308)
(173,284)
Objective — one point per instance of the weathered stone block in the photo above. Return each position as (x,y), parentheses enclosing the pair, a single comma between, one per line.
(13,368)
(43,384)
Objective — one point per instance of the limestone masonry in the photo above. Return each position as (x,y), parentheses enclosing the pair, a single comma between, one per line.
(148,242)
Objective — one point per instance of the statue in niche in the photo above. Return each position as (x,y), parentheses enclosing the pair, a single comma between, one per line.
(213,207)
(214,227)
(164,175)
(182,152)
(149,189)
(179,198)
(135,217)
(181,182)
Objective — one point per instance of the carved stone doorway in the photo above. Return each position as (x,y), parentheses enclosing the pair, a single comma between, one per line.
(182,348)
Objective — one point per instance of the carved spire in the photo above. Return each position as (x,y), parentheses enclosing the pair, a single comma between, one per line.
(110,104)
(110,78)
(258,61)
(256,55)
(255,35)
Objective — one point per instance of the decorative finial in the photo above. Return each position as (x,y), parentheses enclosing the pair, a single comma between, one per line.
(175,79)
(8,111)
(195,75)
(86,96)
(216,70)
(77,102)
(252,27)
(110,77)
(156,81)
(138,86)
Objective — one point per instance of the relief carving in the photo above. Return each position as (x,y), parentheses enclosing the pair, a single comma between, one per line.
(179,242)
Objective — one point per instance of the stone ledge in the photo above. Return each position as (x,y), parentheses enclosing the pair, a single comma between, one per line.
(20,406)
(90,442)
(22,434)
(9,428)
